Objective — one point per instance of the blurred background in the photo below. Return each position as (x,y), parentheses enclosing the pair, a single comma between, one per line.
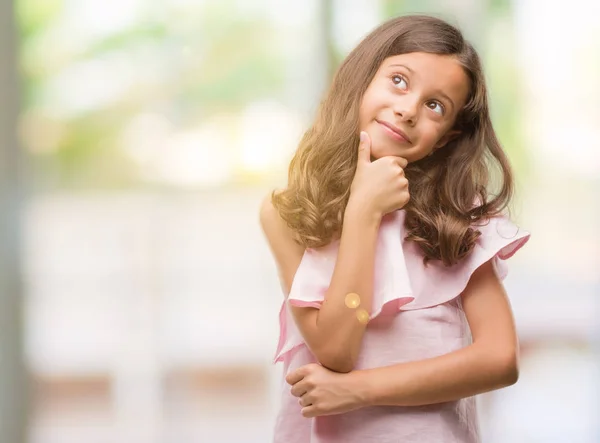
(138,298)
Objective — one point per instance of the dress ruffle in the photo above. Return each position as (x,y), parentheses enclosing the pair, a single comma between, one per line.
(402,280)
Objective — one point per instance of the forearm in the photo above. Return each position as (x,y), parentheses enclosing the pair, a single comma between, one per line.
(338,325)
(463,373)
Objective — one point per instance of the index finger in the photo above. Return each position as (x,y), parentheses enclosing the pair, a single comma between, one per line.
(295,376)
(402,162)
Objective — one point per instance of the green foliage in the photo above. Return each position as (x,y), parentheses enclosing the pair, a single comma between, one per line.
(211,59)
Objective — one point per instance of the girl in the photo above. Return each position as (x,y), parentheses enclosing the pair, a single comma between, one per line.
(395,315)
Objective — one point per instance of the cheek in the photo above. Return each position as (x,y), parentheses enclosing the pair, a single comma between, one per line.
(373,99)
(431,135)
(365,108)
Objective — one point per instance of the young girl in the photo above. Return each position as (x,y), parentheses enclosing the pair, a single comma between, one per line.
(395,316)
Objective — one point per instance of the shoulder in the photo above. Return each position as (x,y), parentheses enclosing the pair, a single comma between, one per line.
(280,237)
(268,213)
(272,224)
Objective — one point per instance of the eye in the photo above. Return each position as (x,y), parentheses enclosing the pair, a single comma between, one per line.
(436,107)
(398,80)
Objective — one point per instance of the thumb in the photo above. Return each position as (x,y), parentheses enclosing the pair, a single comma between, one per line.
(364,148)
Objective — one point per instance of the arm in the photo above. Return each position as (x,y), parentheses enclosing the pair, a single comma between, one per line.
(333,333)
(491,362)
(286,252)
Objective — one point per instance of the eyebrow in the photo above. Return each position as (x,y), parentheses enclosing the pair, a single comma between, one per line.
(437,91)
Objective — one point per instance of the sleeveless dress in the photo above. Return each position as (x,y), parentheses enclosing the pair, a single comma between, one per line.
(416,314)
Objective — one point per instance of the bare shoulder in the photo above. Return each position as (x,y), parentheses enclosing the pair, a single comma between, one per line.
(273,226)
(286,252)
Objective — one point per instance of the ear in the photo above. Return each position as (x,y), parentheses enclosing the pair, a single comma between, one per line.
(447,138)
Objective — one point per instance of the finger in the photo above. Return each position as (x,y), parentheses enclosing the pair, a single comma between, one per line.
(305,401)
(313,411)
(299,389)
(394,160)
(295,376)
(309,411)
(364,148)
(401,161)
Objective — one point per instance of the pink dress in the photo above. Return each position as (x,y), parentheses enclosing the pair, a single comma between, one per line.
(416,314)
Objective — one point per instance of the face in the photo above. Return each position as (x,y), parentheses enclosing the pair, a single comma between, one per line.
(411,104)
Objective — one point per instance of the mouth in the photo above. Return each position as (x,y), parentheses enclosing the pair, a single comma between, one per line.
(394,131)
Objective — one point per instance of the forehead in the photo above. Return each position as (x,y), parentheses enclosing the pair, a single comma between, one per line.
(439,72)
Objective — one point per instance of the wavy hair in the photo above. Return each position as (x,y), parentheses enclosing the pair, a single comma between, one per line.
(450,190)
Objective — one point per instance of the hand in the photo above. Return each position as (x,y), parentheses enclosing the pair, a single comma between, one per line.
(381,185)
(324,392)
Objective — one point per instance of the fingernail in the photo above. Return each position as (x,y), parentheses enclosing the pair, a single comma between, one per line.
(363,136)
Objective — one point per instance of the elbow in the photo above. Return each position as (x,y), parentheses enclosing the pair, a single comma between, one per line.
(508,364)
(341,366)
(336,361)
(500,365)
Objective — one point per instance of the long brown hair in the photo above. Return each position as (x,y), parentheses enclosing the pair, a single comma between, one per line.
(450,190)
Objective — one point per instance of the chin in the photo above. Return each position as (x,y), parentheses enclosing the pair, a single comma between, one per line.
(378,151)
(376,154)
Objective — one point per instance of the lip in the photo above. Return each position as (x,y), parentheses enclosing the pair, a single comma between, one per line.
(394,131)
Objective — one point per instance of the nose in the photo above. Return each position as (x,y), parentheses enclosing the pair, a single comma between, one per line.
(407,110)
